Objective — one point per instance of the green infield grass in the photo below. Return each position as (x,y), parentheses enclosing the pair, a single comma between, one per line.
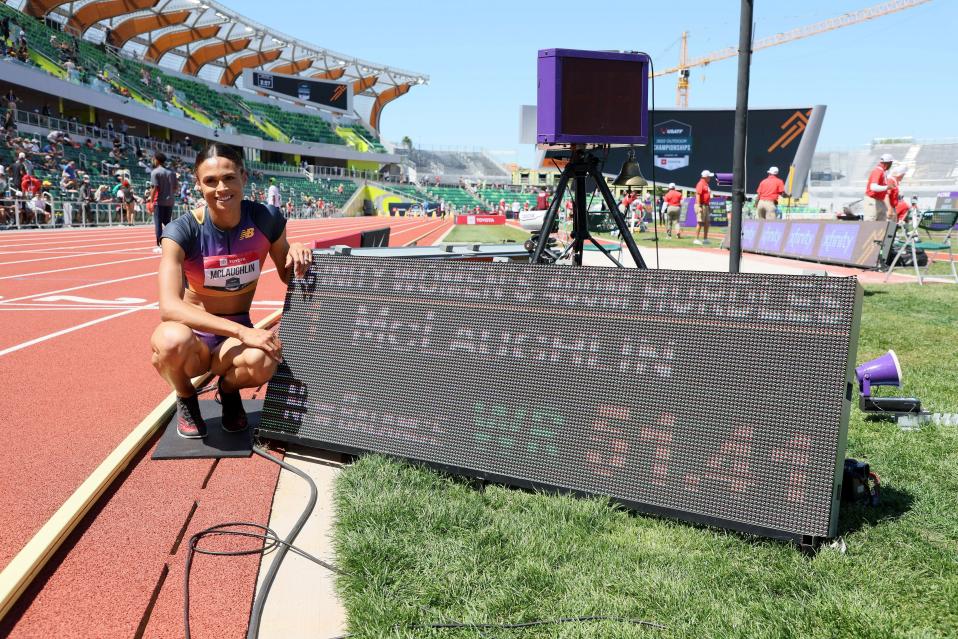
(486,234)
(421,547)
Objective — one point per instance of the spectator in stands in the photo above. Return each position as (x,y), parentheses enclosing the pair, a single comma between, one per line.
(128,200)
(102,194)
(68,178)
(85,196)
(673,209)
(107,167)
(57,139)
(875,203)
(769,190)
(515,209)
(9,120)
(23,54)
(109,127)
(273,199)
(162,193)
(88,144)
(703,196)
(30,185)
(18,169)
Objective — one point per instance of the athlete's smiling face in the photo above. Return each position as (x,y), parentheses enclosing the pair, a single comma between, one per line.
(222,182)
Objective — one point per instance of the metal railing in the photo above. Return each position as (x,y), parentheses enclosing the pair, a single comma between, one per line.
(101,133)
(18,212)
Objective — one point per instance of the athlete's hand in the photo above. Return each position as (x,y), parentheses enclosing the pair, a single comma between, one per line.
(299,257)
(266,341)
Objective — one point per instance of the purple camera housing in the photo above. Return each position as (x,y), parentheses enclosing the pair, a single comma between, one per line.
(592,97)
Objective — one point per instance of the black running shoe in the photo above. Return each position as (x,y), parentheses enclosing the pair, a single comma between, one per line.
(189,422)
(234,415)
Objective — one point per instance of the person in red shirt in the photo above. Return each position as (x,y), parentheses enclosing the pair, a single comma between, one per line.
(875,203)
(542,200)
(895,201)
(673,208)
(703,195)
(769,191)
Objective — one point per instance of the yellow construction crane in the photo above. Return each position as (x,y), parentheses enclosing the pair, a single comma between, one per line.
(844,20)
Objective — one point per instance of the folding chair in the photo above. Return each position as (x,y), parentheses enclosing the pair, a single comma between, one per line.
(929,221)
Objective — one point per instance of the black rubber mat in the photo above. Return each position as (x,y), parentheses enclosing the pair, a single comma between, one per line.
(217,442)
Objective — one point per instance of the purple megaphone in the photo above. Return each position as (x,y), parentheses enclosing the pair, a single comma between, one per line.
(724,179)
(883,371)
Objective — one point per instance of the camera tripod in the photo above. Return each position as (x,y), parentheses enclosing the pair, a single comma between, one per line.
(581,165)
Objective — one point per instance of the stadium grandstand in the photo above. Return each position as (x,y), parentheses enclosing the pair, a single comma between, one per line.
(125,80)
(837,178)
(455,165)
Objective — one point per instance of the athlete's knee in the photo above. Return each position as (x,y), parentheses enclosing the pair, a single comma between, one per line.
(260,365)
(171,342)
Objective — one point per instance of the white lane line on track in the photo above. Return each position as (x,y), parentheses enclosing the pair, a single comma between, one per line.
(140,230)
(54,254)
(38,307)
(8,277)
(91,284)
(44,338)
(76,288)
(77,268)
(323,230)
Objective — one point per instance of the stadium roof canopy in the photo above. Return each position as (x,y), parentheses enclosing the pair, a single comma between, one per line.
(206,39)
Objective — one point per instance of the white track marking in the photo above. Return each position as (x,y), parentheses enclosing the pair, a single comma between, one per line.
(90,300)
(153,305)
(76,288)
(77,268)
(57,255)
(44,338)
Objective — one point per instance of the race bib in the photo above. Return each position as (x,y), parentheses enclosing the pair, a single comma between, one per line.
(230,273)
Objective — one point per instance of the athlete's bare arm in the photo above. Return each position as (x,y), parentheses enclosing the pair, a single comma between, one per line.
(296,255)
(173,308)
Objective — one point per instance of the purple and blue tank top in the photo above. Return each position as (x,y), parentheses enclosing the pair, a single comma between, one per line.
(225,262)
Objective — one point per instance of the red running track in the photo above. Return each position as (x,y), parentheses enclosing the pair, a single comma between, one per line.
(77,309)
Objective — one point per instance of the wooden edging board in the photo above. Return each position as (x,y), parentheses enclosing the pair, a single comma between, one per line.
(27,563)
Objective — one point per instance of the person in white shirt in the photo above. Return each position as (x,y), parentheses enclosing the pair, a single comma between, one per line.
(272,195)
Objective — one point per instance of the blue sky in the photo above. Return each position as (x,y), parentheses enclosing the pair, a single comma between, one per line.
(892,76)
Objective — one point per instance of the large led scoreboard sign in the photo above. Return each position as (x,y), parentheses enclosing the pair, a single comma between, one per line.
(711,397)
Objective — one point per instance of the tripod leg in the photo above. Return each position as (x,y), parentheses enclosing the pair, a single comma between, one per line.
(550,216)
(617,216)
(606,251)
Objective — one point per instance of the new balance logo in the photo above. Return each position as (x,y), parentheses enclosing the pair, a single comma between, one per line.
(246,234)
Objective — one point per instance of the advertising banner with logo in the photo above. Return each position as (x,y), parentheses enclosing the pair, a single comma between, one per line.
(686,142)
(861,244)
(413,209)
(480,219)
(337,96)
(672,145)
(718,212)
